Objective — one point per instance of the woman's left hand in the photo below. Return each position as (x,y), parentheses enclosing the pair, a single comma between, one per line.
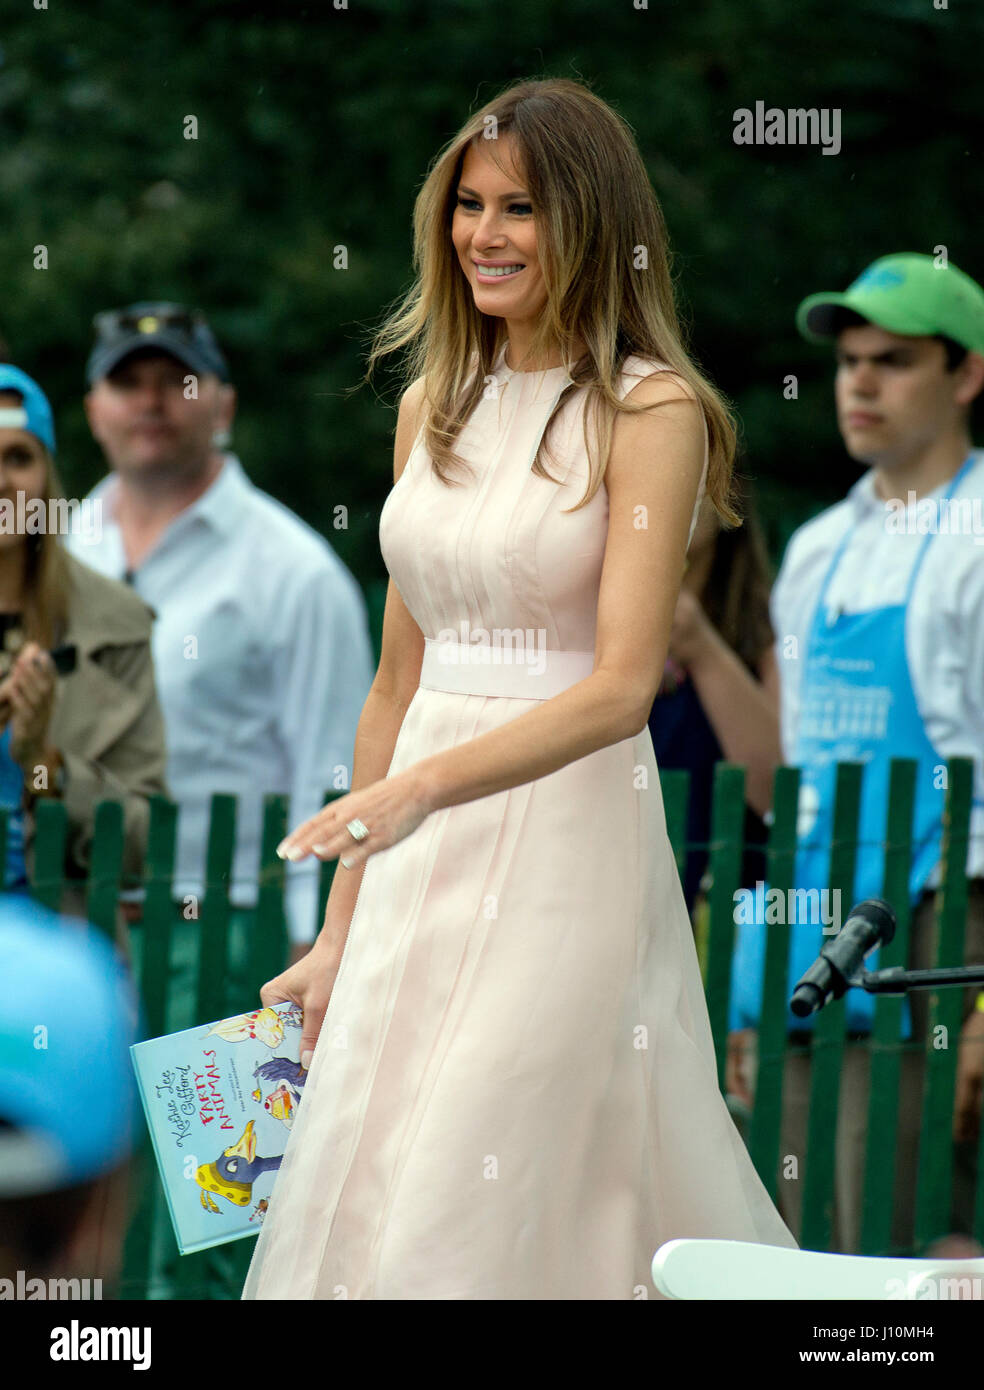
(390,809)
(29,696)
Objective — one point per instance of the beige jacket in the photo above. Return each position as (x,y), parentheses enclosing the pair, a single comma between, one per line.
(106,723)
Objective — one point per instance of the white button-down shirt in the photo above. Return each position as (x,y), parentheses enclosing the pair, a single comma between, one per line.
(262,660)
(944,624)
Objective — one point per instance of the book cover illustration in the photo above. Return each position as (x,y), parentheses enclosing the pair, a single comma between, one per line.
(220,1101)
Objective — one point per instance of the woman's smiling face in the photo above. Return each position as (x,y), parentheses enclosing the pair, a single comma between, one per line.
(493,223)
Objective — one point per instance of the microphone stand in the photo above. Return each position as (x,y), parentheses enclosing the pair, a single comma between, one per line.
(869,923)
(897,980)
(894,980)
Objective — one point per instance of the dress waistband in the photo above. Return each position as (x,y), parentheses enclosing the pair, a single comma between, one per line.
(517,673)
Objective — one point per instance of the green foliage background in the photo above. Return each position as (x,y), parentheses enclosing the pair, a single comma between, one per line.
(316,127)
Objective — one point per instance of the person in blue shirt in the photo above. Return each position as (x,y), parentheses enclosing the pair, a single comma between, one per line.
(11,798)
(879,617)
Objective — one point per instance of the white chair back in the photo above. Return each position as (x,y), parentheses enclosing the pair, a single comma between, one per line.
(734,1269)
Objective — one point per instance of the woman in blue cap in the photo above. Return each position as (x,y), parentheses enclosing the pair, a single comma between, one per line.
(68,1105)
(78,706)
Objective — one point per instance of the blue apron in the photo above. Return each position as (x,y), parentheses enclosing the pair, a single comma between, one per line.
(11,793)
(858,704)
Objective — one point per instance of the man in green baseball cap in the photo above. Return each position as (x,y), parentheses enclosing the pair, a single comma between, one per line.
(914,296)
(878,609)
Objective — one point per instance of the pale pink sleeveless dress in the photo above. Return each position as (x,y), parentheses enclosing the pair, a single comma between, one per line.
(514,1094)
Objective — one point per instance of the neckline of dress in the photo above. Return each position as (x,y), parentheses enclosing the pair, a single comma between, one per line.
(501,367)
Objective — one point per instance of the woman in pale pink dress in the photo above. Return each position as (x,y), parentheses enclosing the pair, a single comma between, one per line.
(513,1091)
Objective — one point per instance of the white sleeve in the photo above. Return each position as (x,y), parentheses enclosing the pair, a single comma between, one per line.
(322,687)
(947,666)
(972,614)
(789,666)
(971,636)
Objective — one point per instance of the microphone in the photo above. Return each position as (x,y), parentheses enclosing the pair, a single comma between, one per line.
(871,923)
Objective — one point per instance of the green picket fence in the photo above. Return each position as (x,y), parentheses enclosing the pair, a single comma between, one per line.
(219,1273)
(935,1174)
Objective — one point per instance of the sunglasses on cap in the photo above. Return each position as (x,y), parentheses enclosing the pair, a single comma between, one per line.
(171,327)
(114,323)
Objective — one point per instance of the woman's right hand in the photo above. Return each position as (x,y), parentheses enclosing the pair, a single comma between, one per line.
(308,983)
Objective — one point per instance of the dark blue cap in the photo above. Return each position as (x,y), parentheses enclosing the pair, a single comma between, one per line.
(171,328)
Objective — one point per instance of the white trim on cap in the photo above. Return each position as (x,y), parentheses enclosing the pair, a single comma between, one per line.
(13,417)
(30,1162)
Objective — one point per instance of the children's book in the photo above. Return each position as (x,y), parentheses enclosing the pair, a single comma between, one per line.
(220,1101)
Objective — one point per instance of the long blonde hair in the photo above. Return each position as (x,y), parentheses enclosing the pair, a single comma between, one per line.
(47,579)
(602,246)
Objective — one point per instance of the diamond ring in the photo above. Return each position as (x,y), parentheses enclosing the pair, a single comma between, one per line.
(357,830)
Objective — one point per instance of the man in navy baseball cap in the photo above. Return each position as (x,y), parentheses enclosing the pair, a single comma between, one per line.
(171,328)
